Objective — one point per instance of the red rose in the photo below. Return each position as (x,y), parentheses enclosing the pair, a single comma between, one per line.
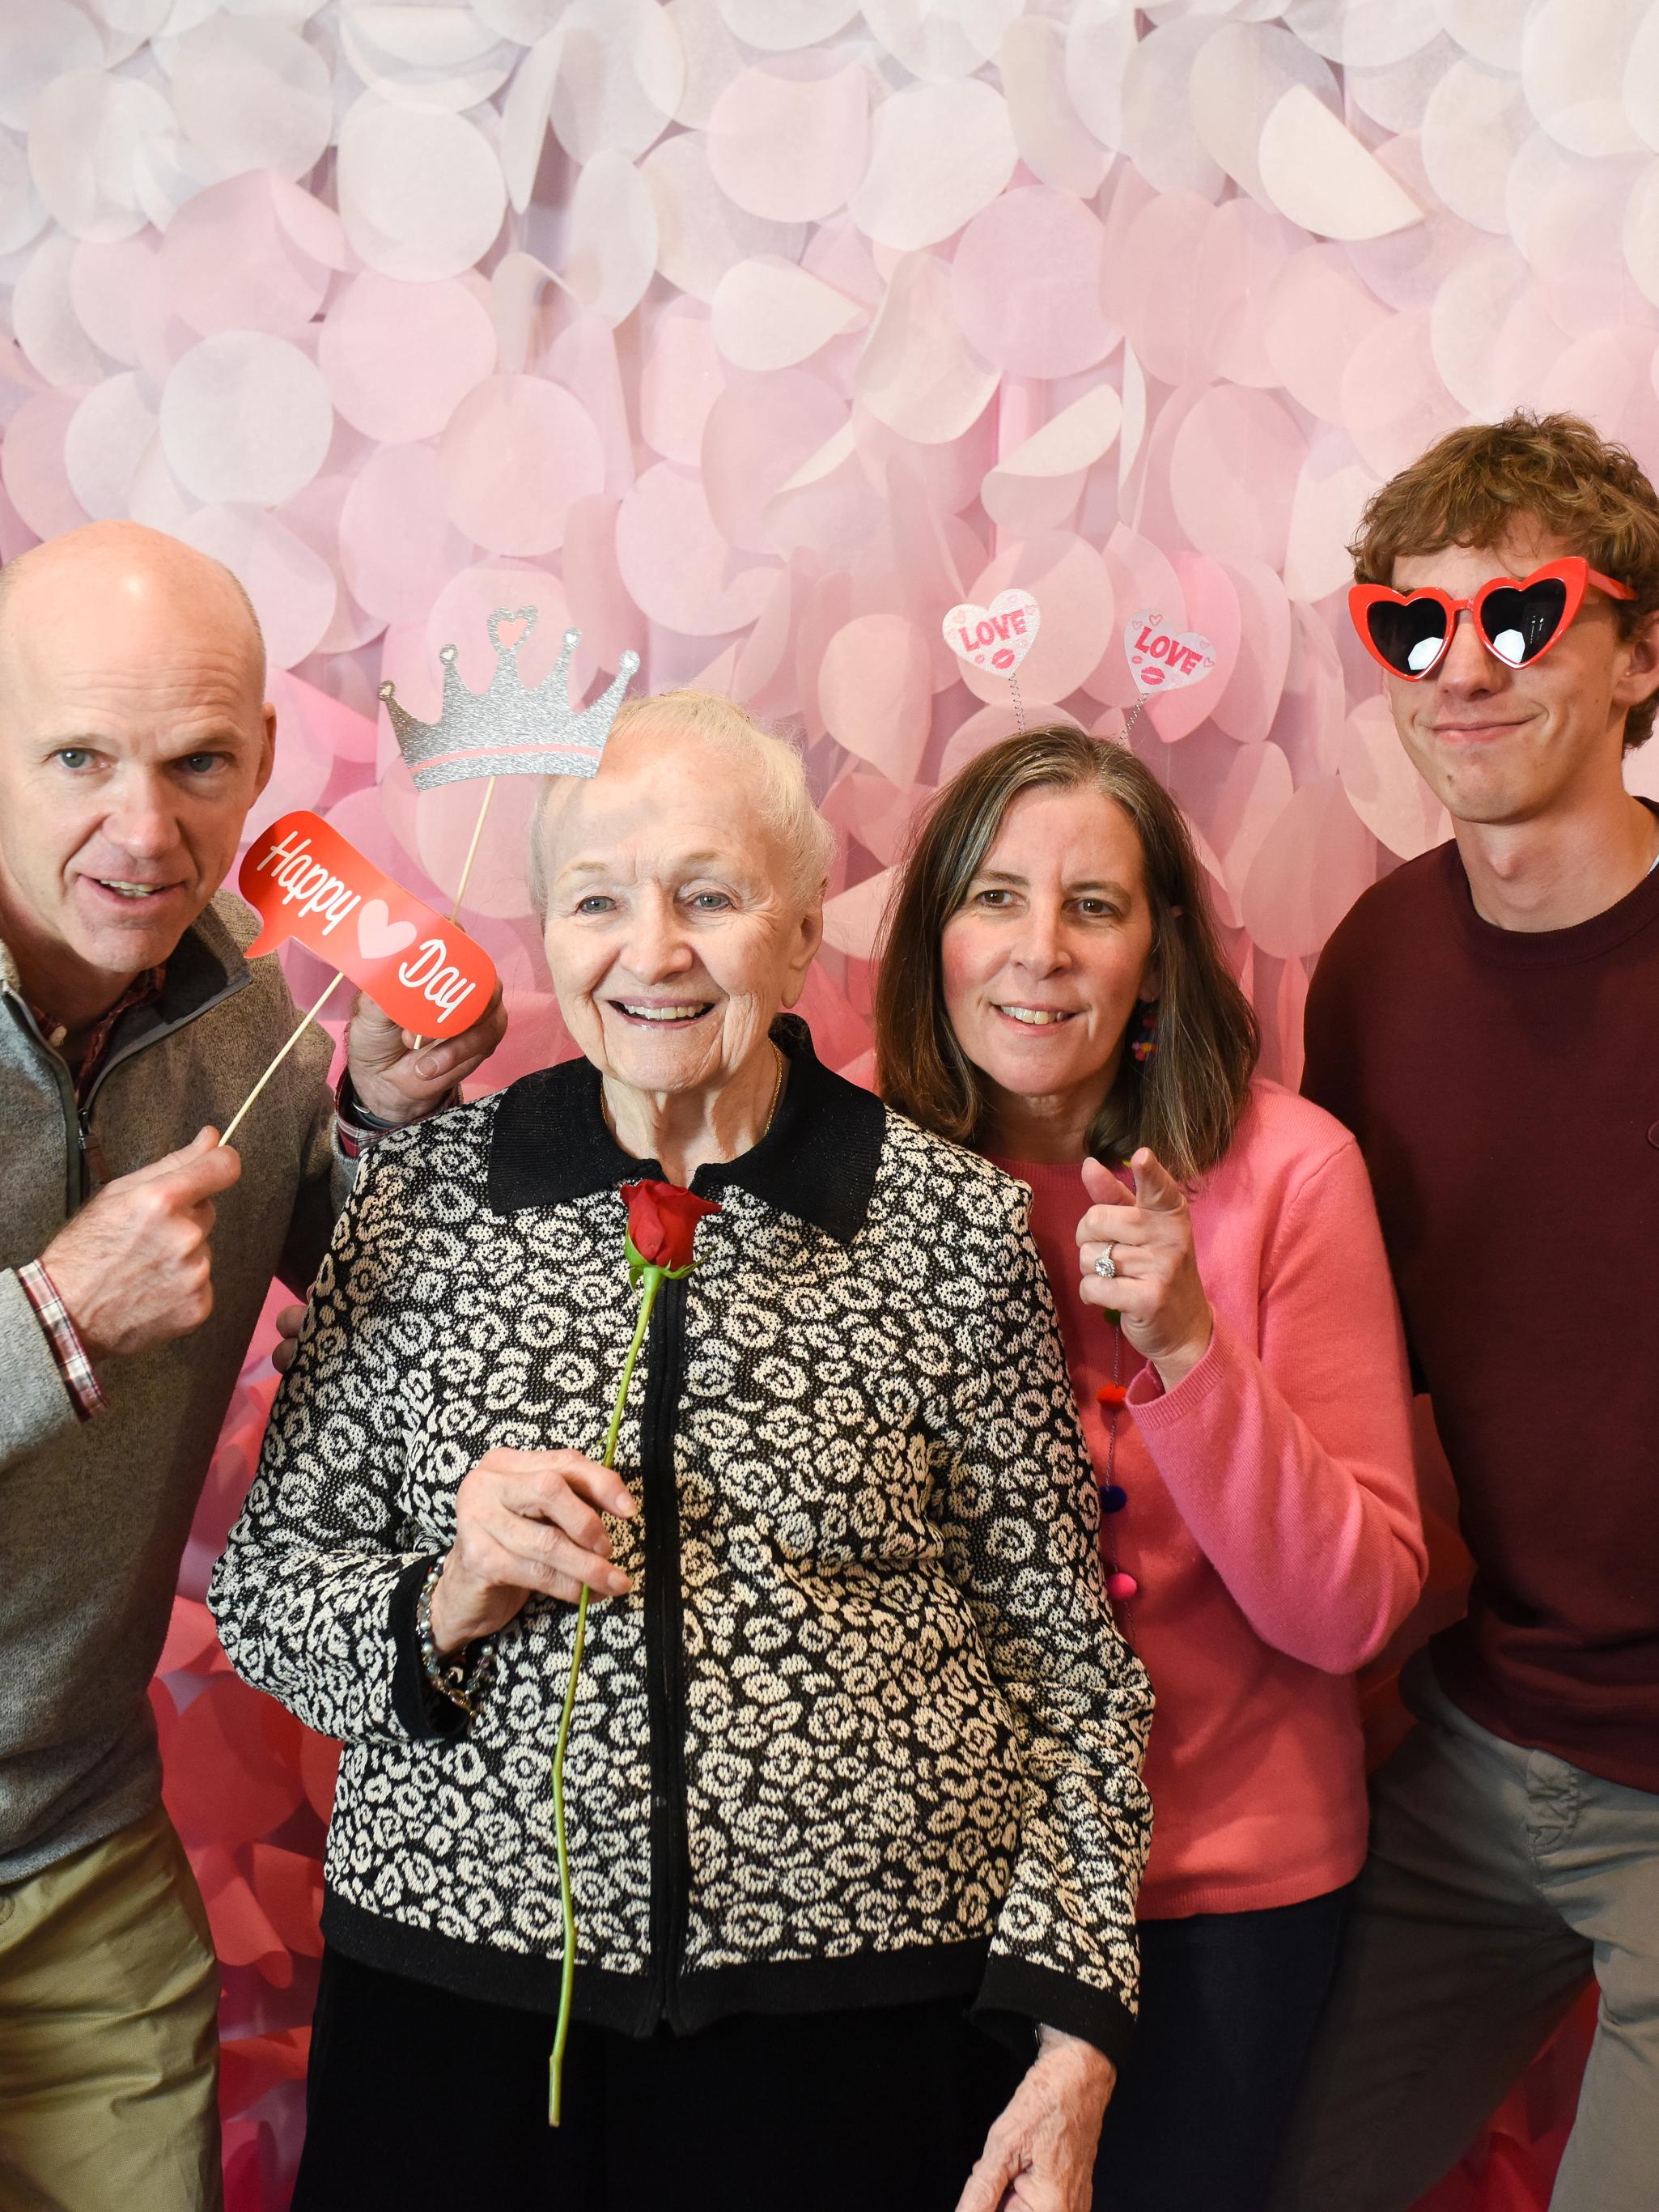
(662,1223)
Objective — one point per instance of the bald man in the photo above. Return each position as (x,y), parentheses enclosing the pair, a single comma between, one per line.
(135,1256)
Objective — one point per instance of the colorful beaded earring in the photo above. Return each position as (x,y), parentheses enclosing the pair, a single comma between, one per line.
(1142,1040)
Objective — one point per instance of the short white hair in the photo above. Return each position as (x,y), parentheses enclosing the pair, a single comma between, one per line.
(779,782)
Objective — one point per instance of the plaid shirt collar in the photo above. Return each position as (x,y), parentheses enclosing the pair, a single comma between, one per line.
(142,991)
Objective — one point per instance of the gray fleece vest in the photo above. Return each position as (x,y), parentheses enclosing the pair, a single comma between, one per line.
(94,1514)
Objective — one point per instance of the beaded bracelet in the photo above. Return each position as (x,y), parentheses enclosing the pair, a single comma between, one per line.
(461,1680)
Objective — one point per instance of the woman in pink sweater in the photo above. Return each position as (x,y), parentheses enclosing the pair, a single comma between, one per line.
(1054,993)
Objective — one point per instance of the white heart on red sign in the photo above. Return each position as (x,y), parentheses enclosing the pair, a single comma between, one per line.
(1164,659)
(997,637)
(378,935)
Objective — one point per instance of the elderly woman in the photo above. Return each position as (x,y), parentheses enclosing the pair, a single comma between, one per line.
(1054,993)
(856,1745)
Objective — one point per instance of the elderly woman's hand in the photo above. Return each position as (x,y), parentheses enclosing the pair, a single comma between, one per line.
(1156,1289)
(526,1521)
(1040,2156)
(289,1321)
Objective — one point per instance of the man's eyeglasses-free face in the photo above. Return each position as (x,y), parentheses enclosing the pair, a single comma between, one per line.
(1518,619)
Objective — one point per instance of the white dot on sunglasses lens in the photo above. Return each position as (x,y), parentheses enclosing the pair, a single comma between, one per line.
(1422,653)
(1509,645)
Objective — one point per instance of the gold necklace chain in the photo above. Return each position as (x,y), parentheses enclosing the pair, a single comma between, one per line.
(777,1091)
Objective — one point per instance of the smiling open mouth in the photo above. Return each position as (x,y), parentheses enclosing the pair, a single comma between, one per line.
(663,1016)
(1037,1017)
(132,891)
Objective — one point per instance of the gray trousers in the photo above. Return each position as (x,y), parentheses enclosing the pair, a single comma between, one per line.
(1498,1880)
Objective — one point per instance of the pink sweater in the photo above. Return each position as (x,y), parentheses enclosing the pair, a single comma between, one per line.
(1271,1520)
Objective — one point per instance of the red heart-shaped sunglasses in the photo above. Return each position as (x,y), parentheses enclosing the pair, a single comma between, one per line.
(1518,619)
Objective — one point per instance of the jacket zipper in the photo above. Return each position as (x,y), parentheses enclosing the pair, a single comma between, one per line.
(665,1654)
(77,1116)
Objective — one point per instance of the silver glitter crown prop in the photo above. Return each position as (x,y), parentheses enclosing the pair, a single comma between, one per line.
(507,730)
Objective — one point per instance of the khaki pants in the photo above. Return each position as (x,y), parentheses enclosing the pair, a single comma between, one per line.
(109,2052)
(1500,1880)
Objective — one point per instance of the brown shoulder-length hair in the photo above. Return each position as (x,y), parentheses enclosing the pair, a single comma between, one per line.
(1185,1099)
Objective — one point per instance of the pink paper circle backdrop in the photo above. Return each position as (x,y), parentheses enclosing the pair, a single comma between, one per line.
(229,262)
(750,336)
(514,456)
(1029,279)
(789,140)
(400,358)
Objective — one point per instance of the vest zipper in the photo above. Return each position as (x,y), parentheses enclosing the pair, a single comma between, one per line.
(666,1651)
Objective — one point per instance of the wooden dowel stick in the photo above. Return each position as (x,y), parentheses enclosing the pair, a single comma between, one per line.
(466,867)
(472,849)
(299,1029)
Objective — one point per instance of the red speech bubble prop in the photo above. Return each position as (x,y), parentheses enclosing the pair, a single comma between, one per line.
(307,881)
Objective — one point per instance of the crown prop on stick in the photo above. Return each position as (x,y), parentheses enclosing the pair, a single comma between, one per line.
(507,730)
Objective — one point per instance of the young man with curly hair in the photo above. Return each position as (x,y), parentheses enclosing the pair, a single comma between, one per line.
(1484,1021)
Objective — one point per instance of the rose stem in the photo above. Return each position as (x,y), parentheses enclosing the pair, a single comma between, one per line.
(653,1280)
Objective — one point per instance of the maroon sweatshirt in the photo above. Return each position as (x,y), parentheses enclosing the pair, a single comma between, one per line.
(1504,1088)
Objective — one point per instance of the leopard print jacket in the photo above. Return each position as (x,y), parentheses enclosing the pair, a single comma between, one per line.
(862,1732)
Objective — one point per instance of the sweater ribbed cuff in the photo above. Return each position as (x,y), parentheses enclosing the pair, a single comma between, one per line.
(426,1715)
(1016,1991)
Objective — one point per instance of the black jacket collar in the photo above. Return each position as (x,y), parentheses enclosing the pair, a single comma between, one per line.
(817,1161)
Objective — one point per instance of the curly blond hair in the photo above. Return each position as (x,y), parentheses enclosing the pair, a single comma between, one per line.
(1473,485)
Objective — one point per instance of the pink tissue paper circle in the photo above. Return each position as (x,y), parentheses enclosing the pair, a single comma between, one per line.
(788,140)
(399,358)
(677,564)
(680,378)
(759,432)
(43,319)
(41,40)
(292,588)
(1311,867)
(939,153)
(88,133)
(110,433)
(22,211)
(422,193)
(517,452)
(116,292)
(876,693)
(701,233)
(398,546)
(32,467)
(246,416)
(252,94)
(1027,281)
(1233,472)
(229,263)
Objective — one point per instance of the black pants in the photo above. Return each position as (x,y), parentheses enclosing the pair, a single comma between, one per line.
(1229,2001)
(417,2098)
